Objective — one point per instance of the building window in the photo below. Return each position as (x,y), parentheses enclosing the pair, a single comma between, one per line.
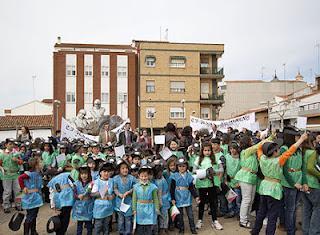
(150,86)
(122,97)
(150,111)
(176,113)
(104,97)
(88,70)
(71,97)
(150,61)
(178,87)
(88,97)
(122,71)
(177,62)
(205,113)
(71,70)
(104,71)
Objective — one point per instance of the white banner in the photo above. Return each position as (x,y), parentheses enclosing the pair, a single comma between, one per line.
(69,132)
(120,128)
(244,121)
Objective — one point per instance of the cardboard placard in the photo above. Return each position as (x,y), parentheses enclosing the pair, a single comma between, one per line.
(159,139)
(119,151)
(165,153)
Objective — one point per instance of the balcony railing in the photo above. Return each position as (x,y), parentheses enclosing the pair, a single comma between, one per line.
(205,96)
(214,71)
(308,107)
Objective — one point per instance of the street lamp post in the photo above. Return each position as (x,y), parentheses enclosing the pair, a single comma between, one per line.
(56,104)
(183,101)
(151,116)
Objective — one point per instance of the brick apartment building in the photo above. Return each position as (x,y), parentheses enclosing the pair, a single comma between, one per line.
(177,80)
(85,72)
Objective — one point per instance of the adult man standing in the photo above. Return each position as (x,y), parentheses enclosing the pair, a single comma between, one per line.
(127,137)
(215,132)
(106,135)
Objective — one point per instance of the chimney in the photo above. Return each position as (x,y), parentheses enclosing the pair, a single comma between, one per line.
(7,112)
(59,40)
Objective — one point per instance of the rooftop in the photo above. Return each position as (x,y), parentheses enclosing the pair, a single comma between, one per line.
(31,121)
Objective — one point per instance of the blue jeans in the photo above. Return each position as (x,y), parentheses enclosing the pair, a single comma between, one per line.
(124,224)
(80,227)
(31,214)
(144,229)
(311,212)
(291,198)
(234,206)
(102,225)
(190,218)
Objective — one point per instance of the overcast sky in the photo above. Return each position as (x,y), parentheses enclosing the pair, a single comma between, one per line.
(256,34)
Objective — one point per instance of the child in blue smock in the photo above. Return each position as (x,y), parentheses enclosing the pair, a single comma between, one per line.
(102,190)
(31,182)
(62,198)
(82,210)
(92,164)
(145,203)
(181,190)
(123,187)
(164,197)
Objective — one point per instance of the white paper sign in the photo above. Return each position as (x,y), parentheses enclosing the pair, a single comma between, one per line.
(103,190)
(70,132)
(201,174)
(231,195)
(159,139)
(302,122)
(120,128)
(236,123)
(165,153)
(119,151)
(124,207)
(60,158)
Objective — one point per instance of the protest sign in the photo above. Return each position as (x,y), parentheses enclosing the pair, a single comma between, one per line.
(70,132)
(243,121)
(165,153)
(159,139)
(302,123)
(119,151)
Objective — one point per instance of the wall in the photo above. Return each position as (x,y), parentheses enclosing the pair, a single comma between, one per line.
(43,133)
(33,108)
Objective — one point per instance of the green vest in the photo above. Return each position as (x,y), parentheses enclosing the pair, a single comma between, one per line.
(225,148)
(249,162)
(294,163)
(233,166)
(10,167)
(47,159)
(308,179)
(271,168)
(205,164)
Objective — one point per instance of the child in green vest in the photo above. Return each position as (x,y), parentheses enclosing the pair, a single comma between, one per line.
(271,163)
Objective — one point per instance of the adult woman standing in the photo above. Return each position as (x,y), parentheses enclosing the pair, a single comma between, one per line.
(24,135)
(145,139)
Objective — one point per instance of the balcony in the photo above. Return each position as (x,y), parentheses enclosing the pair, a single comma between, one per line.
(211,99)
(211,71)
(310,110)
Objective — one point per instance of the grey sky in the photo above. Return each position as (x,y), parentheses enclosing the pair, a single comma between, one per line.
(255,33)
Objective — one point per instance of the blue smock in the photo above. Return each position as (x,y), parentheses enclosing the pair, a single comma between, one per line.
(83,209)
(182,192)
(102,207)
(33,199)
(65,197)
(146,212)
(118,183)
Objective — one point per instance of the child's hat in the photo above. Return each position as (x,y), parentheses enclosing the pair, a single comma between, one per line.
(16,221)
(55,220)
(215,141)
(134,167)
(269,147)
(106,167)
(181,161)
(10,140)
(94,144)
(144,169)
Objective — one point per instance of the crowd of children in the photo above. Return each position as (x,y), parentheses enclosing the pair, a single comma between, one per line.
(88,183)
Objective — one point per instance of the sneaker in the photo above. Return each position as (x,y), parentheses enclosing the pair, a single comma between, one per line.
(245,225)
(199,224)
(193,231)
(217,225)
